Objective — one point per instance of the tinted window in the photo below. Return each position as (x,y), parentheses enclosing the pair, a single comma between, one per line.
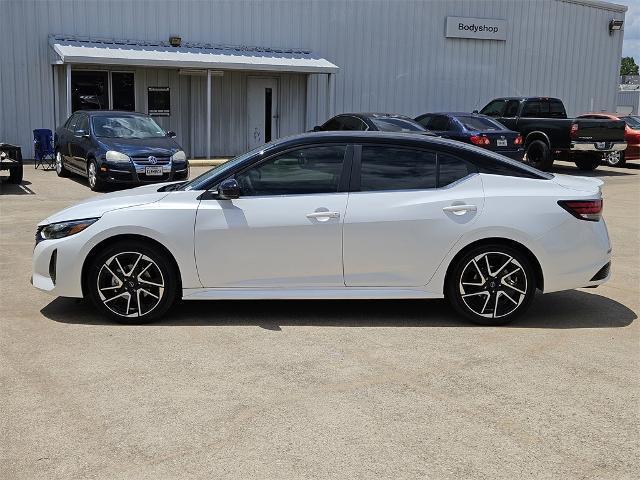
(334,124)
(480,124)
(424,120)
(298,172)
(72,121)
(396,168)
(451,169)
(353,123)
(632,122)
(82,124)
(494,109)
(394,124)
(512,108)
(556,109)
(439,123)
(532,109)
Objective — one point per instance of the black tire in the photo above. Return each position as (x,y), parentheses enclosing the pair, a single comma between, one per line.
(15,174)
(141,292)
(587,162)
(614,158)
(95,183)
(516,279)
(539,155)
(61,170)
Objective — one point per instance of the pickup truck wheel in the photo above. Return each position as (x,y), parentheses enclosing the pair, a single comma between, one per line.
(539,155)
(588,162)
(614,159)
(15,174)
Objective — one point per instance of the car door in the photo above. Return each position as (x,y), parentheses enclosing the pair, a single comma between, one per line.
(407,208)
(64,139)
(285,230)
(79,143)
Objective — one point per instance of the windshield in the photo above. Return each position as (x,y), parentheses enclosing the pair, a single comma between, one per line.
(632,121)
(200,182)
(480,124)
(126,126)
(391,124)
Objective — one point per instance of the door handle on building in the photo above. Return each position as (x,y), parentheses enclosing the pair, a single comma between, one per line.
(460,209)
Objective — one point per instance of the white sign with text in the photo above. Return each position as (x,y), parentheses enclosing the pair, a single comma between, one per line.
(477,28)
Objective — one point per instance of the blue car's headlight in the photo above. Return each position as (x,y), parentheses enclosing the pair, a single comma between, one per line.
(179,157)
(62,229)
(117,157)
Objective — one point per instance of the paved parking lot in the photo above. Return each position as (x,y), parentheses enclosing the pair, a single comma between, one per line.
(340,389)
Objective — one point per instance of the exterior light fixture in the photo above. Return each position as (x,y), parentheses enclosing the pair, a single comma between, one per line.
(615,25)
(175,41)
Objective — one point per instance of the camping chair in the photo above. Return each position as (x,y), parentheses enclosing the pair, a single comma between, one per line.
(44,155)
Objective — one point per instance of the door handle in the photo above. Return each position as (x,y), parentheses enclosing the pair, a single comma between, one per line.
(460,209)
(323,215)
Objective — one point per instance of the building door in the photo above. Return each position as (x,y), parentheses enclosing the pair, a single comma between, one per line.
(262,110)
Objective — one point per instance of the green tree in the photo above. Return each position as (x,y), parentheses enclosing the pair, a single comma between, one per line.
(628,66)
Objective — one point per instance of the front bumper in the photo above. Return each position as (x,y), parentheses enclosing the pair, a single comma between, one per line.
(57,266)
(598,146)
(135,174)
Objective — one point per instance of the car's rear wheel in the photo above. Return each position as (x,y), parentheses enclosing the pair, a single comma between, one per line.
(61,170)
(614,159)
(491,284)
(539,155)
(588,162)
(132,283)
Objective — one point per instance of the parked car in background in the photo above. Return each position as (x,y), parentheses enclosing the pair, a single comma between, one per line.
(476,129)
(112,147)
(372,122)
(335,215)
(11,160)
(618,158)
(548,133)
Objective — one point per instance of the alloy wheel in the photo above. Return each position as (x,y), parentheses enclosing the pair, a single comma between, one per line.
(493,284)
(58,163)
(613,158)
(92,175)
(130,284)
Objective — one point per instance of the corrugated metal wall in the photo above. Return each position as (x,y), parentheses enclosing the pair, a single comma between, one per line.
(392,53)
(628,99)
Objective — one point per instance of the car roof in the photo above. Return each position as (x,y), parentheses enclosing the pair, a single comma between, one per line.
(457,114)
(524,98)
(95,113)
(376,115)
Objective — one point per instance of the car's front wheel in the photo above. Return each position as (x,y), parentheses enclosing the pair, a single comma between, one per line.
(95,183)
(491,284)
(132,283)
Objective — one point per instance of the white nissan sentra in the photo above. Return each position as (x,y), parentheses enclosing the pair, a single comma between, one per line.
(336,215)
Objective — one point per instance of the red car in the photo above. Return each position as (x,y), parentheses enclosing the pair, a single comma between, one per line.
(631,136)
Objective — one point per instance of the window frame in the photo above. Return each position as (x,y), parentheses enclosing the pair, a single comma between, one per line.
(343,181)
(356,170)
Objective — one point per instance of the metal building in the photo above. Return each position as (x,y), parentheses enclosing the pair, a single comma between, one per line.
(227,75)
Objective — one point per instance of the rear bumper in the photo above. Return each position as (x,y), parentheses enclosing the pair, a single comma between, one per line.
(517,154)
(593,146)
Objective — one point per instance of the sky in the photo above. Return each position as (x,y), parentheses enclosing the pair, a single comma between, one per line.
(631,44)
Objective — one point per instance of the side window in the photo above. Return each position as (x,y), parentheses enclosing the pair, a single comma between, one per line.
(396,168)
(298,172)
(82,124)
(353,123)
(334,124)
(439,123)
(494,109)
(512,108)
(557,109)
(531,109)
(424,120)
(70,124)
(451,169)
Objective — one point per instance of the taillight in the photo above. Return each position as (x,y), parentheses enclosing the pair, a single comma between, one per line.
(480,140)
(574,130)
(518,140)
(583,209)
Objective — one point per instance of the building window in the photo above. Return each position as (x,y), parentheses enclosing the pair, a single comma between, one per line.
(123,91)
(89,90)
(159,101)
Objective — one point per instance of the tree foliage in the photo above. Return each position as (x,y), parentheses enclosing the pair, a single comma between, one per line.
(628,66)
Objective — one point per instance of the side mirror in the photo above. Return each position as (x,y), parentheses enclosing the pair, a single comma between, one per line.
(229,189)
(171,134)
(317,128)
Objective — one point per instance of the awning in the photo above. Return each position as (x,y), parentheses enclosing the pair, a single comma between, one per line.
(77,50)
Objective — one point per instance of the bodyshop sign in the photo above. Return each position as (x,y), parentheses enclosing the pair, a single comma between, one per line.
(478,28)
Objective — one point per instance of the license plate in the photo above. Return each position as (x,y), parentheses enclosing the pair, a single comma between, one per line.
(601,145)
(501,142)
(153,171)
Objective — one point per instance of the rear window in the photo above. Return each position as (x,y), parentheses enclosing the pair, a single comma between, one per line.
(480,124)
(632,121)
(391,124)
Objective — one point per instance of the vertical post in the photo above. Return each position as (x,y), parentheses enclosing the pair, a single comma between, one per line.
(68,79)
(330,94)
(308,124)
(56,96)
(208,114)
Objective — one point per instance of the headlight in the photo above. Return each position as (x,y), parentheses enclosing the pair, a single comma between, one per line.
(117,157)
(62,229)
(179,156)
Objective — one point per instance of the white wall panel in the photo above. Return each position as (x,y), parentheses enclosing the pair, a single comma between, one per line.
(393,56)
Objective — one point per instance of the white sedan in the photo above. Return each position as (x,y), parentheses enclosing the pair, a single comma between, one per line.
(335,215)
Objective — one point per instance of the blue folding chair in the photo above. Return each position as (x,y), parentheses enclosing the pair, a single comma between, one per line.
(44,155)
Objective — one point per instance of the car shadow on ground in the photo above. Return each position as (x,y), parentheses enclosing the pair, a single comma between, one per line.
(568,168)
(15,189)
(571,309)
